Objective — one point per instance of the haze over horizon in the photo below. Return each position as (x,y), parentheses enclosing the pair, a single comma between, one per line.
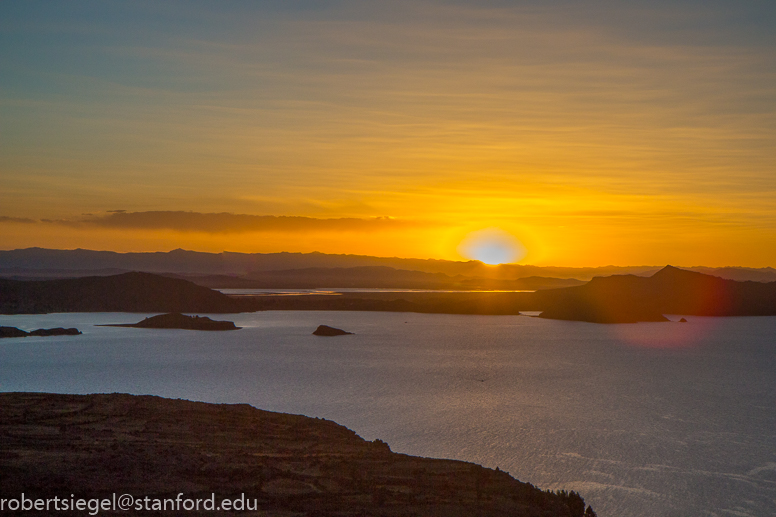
(545,133)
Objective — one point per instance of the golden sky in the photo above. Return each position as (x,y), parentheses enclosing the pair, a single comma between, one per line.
(593,133)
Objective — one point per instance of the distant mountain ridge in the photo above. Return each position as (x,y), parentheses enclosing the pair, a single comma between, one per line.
(59,263)
(229,263)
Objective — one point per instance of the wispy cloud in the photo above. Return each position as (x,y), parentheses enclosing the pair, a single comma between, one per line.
(23,220)
(236,223)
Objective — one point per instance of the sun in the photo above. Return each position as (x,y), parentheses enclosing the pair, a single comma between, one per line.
(492,246)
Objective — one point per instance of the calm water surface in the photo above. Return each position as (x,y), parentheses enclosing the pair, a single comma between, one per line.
(651,419)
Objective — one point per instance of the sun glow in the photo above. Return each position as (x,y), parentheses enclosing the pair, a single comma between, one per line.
(492,246)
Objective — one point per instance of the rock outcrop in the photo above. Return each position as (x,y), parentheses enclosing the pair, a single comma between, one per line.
(325,330)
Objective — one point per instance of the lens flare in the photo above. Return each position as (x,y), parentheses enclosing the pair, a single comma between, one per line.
(492,246)
(676,336)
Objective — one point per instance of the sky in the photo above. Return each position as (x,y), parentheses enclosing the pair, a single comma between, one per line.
(540,132)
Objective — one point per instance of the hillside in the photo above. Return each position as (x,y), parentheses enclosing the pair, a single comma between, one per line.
(628,298)
(128,292)
(286,465)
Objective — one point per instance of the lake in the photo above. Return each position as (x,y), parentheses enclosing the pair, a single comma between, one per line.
(648,419)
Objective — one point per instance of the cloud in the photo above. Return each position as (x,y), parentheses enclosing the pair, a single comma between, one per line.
(23,220)
(225,222)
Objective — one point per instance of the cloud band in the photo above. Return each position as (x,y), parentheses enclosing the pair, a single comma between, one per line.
(226,222)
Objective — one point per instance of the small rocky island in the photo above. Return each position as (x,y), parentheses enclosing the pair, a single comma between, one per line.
(58,331)
(176,320)
(279,464)
(325,330)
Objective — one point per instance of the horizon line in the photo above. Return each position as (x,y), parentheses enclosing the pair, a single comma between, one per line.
(472,261)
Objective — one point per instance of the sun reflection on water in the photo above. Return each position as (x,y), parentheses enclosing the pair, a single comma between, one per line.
(673,335)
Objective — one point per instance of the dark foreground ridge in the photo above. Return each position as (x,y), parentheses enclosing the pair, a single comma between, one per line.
(94,445)
(177,320)
(58,331)
(325,330)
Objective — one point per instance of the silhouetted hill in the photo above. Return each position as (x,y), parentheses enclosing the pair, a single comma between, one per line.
(282,465)
(613,299)
(628,298)
(128,292)
(676,291)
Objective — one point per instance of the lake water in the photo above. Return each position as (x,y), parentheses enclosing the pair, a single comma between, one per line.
(649,419)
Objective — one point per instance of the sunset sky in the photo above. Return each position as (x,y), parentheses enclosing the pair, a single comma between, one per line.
(569,133)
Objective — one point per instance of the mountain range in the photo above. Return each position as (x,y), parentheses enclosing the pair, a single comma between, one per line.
(51,263)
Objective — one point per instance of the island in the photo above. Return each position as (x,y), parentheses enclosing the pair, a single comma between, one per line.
(58,331)
(278,464)
(325,330)
(177,320)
